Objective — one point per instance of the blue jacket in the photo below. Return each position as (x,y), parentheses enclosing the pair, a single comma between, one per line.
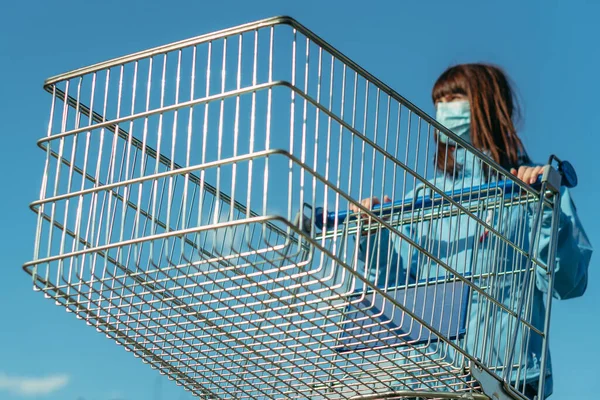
(461,243)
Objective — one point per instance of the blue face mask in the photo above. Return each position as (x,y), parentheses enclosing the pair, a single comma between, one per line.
(456,116)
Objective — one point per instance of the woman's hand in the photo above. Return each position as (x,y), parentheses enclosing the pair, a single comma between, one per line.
(528,174)
(369,203)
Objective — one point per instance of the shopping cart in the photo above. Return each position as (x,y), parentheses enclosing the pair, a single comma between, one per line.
(193,209)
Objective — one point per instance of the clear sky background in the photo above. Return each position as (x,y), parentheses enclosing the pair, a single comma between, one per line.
(549,48)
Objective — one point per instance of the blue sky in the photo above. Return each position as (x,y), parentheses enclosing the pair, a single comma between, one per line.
(548,48)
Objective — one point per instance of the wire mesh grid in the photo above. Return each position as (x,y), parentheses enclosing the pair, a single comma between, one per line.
(172,218)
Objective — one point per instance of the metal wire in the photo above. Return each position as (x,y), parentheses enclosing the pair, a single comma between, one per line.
(167,219)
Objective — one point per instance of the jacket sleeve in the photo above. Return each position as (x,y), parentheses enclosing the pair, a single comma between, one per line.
(573,251)
(384,256)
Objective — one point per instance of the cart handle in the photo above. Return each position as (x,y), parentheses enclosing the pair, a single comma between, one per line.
(328,220)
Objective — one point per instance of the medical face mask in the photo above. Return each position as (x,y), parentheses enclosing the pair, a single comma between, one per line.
(456,116)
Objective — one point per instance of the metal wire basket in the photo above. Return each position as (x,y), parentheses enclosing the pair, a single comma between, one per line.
(193,208)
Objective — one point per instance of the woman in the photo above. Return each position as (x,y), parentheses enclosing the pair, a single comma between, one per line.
(476,103)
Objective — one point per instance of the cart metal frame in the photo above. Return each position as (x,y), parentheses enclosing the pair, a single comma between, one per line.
(174,216)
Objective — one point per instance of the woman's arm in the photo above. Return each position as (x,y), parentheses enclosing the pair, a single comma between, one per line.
(384,255)
(573,246)
(380,259)
(573,251)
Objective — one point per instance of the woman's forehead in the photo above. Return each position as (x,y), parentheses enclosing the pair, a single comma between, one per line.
(451,97)
(448,88)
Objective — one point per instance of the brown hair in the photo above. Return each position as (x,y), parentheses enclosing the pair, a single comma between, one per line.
(493,109)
